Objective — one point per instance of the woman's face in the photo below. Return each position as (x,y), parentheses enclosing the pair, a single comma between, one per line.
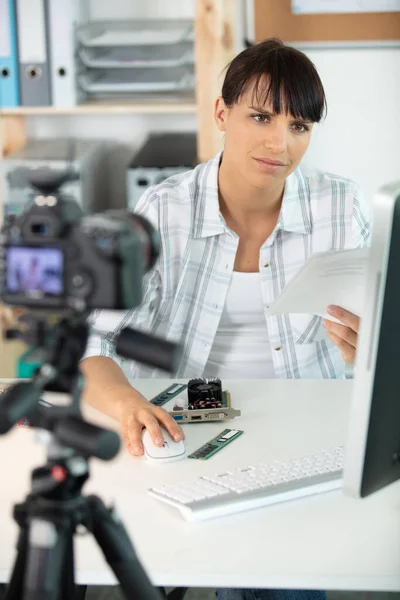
(263,147)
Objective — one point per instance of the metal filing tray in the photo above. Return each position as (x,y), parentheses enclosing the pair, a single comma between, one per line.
(141,32)
(137,80)
(122,57)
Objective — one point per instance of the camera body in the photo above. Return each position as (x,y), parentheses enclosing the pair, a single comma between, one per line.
(53,257)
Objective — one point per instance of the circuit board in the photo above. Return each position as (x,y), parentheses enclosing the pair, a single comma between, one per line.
(170,392)
(216,444)
(196,415)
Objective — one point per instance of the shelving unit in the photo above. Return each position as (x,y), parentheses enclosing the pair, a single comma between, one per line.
(215,23)
(107,107)
(214,47)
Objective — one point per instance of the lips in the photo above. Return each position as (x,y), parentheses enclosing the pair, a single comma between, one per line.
(273,163)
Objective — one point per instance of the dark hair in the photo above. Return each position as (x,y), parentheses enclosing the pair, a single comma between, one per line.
(280,73)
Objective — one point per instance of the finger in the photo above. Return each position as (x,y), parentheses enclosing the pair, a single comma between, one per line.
(346,317)
(170,425)
(131,431)
(348,352)
(149,420)
(343,332)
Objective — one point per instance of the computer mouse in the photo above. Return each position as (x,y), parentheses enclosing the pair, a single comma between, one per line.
(168,452)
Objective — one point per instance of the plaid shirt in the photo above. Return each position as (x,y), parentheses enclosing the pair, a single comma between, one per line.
(184,294)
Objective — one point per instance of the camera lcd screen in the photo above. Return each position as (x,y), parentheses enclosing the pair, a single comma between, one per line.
(35,271)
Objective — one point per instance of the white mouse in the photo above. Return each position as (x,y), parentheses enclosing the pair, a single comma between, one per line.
(168,452)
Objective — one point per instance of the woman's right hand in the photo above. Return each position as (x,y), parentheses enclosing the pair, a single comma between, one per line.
(136,414)
(109,391)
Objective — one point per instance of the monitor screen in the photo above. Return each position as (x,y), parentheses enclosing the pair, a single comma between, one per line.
(35,272)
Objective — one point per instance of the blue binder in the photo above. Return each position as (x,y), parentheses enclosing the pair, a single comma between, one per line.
(9,88)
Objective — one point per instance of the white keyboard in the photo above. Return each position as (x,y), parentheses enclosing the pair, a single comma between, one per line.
(253,486)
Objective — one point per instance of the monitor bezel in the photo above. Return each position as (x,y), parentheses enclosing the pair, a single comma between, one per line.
(374,426)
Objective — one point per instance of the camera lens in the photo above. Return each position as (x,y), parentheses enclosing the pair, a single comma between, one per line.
(149,238)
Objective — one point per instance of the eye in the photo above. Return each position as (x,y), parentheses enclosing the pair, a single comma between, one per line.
(300,127)
(261,118)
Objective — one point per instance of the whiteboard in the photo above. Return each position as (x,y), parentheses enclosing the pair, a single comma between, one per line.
(307,7)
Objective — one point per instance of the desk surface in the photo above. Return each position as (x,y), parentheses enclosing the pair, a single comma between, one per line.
(328,541)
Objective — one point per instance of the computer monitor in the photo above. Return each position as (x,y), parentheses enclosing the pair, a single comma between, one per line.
(372,458)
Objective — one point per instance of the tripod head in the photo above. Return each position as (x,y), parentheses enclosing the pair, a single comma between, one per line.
(63,341)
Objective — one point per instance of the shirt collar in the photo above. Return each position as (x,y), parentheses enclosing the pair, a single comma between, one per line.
(295,212)
(207,217)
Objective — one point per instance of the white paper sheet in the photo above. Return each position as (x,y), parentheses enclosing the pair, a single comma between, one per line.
(304,7)
(327,278)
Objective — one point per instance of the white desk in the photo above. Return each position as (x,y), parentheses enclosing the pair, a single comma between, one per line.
(326,542)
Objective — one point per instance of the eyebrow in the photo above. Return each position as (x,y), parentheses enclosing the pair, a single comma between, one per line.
(268,113)
(263,111)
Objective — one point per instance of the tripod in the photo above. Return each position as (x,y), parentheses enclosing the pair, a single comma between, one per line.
(55,506)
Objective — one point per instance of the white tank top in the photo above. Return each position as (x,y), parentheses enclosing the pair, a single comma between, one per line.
(241,348)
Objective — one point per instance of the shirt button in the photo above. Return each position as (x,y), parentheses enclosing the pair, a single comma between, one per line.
(278,348)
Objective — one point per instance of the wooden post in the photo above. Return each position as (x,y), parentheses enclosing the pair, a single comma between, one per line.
(214,49)
(12,137)
(12,133)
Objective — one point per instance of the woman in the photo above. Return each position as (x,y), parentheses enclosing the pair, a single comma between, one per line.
(234,231)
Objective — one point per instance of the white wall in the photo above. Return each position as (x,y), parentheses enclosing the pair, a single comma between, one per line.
(360,138)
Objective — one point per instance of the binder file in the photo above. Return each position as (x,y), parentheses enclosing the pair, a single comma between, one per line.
(34,72)
(9,92)
(62,16)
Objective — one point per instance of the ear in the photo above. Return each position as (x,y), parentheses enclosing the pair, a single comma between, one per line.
(220,113)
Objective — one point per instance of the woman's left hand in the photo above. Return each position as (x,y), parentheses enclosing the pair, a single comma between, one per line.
(343,336)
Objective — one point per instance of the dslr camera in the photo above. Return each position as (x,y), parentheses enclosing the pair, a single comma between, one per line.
(53,257)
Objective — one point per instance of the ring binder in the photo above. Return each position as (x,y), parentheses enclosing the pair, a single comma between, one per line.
(34,75)
(9,87)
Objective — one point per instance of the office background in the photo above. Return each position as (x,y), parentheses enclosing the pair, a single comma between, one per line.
(359,139)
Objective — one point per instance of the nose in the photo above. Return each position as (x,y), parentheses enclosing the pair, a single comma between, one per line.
(276,138)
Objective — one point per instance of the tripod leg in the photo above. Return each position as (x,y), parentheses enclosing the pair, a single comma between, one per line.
(14,590)
(49,549)
(117,548)
(67,585)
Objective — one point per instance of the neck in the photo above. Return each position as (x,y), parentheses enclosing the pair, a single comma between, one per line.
(244,203)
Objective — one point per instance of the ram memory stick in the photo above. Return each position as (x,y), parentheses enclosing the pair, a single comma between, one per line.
(170,392)
(216,444)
